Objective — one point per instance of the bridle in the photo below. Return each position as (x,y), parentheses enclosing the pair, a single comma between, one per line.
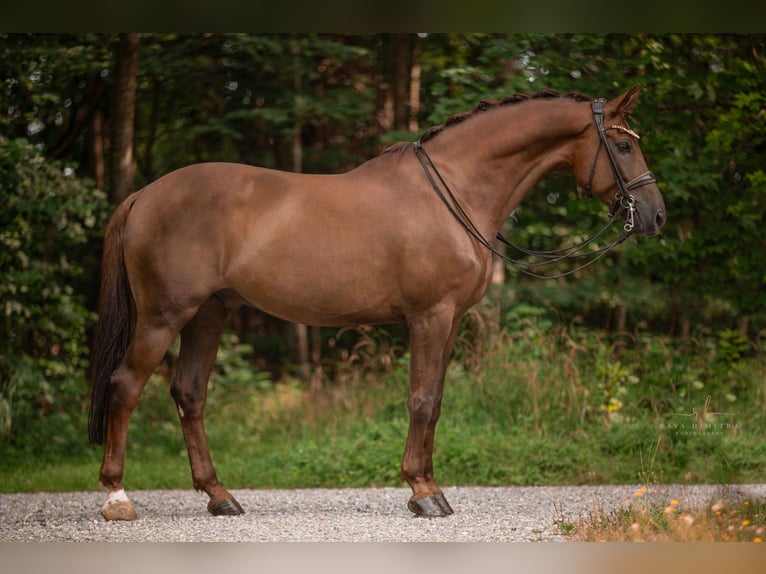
(623,201)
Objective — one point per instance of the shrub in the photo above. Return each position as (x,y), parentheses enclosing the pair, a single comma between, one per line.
(48,223)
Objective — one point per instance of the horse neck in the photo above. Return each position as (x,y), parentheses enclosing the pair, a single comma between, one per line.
(492,160)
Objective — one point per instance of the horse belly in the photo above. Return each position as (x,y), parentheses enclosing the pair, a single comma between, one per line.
(318,278)
(315,296)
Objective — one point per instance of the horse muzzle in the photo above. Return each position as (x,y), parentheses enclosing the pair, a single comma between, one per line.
(647,221)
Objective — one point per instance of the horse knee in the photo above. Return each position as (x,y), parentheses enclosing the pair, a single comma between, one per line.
(189,402)
(424,409)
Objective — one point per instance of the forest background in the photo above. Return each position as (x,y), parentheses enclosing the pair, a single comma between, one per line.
(582,379)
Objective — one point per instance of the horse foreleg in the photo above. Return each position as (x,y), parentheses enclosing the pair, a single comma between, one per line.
(431,340)
(199,342)
(144,353)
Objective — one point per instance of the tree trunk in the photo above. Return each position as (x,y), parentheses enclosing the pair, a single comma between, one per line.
(301,330)
(620,328)
(97,149)
(685,330)
(743,325)
(147,165)
(122,166)
(414,88)
(401,80)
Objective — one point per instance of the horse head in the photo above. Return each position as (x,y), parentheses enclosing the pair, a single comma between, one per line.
(610,165)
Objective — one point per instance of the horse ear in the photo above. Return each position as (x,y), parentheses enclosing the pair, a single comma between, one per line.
(622,105)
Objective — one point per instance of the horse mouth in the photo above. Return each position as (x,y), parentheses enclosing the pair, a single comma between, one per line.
(650,231)
(656,224)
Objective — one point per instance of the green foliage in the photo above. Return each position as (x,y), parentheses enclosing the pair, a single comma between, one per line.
(48,221)
(234,366)
(239,97)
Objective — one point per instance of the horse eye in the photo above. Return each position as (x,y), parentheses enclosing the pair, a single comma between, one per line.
(623,147)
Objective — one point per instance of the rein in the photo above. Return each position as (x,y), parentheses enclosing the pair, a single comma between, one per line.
(623,201)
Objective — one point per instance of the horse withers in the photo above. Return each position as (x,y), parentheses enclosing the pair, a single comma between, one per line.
(404,237)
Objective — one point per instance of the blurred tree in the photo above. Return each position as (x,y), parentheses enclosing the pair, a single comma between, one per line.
(123,169)
(53,85)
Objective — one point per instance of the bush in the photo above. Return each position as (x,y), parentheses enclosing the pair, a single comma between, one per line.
(48,226)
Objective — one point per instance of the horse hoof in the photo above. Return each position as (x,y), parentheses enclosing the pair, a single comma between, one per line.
(225,507)
(119,510)
(430,506)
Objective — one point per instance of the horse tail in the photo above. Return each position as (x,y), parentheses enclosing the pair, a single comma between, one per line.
(114,325)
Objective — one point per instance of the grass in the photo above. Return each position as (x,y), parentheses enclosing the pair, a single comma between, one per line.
(730,517)
(538,404)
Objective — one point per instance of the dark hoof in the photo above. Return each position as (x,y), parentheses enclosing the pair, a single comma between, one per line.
(435,505)
(225,507)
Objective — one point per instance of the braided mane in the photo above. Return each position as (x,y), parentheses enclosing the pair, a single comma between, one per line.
(485,105)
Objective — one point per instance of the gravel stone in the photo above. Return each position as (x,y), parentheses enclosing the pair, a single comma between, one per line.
(482,514)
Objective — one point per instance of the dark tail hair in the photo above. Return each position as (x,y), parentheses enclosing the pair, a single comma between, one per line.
(114,325)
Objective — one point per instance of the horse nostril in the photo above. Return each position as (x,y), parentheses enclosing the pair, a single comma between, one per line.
(659,219)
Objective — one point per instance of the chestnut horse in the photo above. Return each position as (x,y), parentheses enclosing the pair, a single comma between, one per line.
(374,245)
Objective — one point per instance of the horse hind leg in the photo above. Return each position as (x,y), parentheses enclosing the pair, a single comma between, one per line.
(199,343)
(144,353)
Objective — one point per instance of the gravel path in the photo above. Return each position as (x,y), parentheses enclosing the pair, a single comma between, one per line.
(496,514)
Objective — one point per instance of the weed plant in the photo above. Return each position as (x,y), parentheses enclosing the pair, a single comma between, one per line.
(729,517)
